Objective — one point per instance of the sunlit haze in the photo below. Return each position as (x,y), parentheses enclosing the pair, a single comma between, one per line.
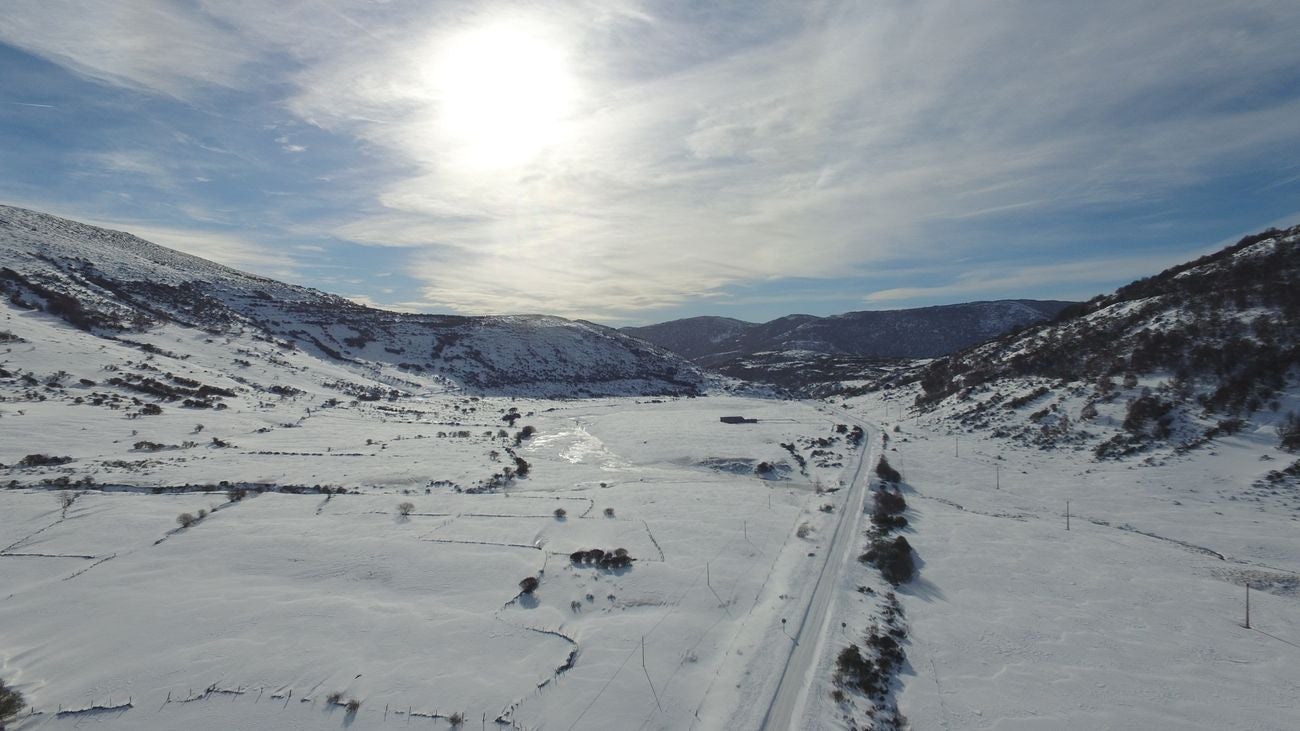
(634,162)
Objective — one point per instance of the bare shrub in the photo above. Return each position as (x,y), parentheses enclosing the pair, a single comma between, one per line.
(609,512)
(405,508)
(560,513)
(804,530)
(186,519)
(1288,433)
(529,584)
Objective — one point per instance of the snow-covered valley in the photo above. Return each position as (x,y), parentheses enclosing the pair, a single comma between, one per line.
(225,523)
(259,613)
(307,576)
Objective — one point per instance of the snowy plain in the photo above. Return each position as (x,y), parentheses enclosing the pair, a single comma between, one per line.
(1132,619)
(259,613)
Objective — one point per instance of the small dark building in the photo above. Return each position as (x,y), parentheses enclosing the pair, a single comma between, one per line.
(736,420)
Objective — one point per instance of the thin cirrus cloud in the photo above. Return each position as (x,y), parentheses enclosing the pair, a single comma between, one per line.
(616,160)
(160,47)
(233,250)
(1021,281)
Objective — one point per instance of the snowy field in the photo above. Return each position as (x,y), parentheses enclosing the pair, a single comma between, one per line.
(421,613)
(1133,619)
(278,609)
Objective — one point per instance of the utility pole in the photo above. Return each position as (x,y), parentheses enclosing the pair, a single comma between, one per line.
(1067,515)
(956,446)
(1247,605)
(997,468)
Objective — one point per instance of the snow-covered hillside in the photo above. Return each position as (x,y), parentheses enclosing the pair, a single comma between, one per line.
(1202,351)
(114,284)
(1162,420)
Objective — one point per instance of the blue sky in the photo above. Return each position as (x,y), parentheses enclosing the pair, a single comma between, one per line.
(633,162)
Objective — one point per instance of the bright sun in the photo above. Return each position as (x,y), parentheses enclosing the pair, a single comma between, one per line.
(503,94)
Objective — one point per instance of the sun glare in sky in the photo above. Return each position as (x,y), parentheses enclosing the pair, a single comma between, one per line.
(501,94)
(636,161)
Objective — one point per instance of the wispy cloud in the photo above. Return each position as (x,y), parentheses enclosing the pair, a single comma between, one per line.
(368,301)
(1078,279)
(827,149)
(702,148)
(232,249)
(163,46)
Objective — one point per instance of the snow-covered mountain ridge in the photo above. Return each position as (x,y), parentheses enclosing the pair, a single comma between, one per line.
(1204,349)
(114,284)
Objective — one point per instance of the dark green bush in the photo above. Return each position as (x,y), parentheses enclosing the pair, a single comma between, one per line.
(42,460)
(893,559)
(886,472)
(889,502)
(11,702)
(1289,433)
(851,668)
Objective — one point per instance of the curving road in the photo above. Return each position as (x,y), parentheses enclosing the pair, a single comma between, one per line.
(797,674)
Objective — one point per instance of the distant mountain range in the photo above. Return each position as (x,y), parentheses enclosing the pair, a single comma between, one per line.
(925,332)
(112,284)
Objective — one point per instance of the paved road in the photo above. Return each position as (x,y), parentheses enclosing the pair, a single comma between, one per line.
(799,666)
